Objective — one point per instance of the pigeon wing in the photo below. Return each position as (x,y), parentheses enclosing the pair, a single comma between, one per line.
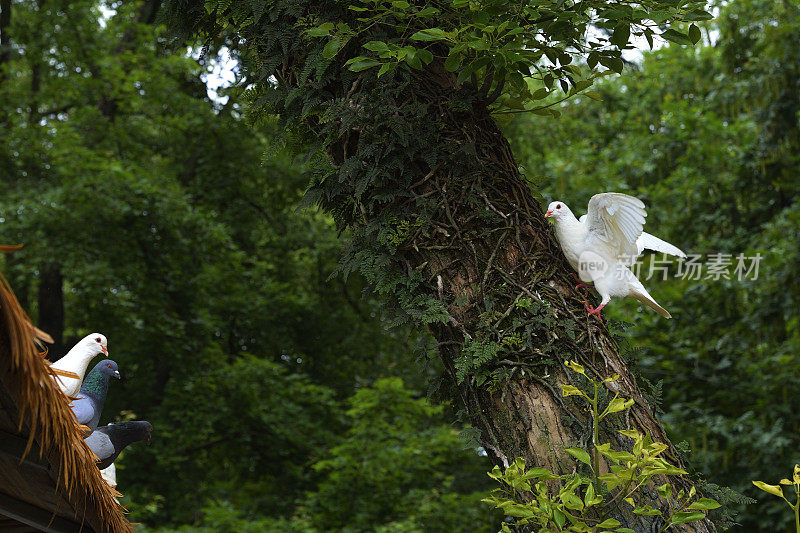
(84,409)
(100,443)
(614,223)
(650,242)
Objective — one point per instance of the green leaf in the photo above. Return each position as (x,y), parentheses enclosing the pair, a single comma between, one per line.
(618,456)
(621,34)
(401,4)
(772,489)
(704,504)
(535,473)
(333,47)
(676,36)
(413,59)
(665,491)
(615,64)
(611,522)
(453,61)
(538,94)
(612,481)
(430,34)
(648,34)
(588,498)
(683,517)
(472,67)
(580,455)
(559,518)
(427,12)
(425,55)
(318,32)
(617,405)
(647,511)
(694,34)
(376,46)
(575,367)
(363,64)
(566,390)
(698,15)
(518,511)
(571,501)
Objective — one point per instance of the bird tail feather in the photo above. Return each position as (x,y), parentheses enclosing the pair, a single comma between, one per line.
(648,300)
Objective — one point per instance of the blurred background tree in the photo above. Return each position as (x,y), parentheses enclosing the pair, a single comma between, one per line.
(709,139)
(147,215)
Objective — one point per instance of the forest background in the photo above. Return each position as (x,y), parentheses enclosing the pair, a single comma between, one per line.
(154,212)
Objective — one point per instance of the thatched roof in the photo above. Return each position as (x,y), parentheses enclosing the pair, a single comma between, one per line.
(48,479)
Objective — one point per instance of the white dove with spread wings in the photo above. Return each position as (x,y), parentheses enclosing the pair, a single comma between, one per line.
(605,242)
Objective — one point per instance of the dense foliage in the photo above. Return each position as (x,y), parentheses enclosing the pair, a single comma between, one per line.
(262,373)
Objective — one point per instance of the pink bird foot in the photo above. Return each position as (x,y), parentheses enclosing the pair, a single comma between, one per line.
(594,310)
(582,285)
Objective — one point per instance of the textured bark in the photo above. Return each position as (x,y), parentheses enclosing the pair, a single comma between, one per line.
(51,308)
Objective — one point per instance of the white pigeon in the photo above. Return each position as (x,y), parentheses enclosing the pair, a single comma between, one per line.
(605,242)
(77,360)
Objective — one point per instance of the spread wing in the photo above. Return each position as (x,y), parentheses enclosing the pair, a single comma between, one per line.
(650,242)
(614,223)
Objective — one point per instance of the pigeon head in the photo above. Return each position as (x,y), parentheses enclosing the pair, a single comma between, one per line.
(556,210)
(124,433)
(95,342)
(96,382)
(107,367)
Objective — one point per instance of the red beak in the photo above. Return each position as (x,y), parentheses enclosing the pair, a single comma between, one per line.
(105,350)
(549,214)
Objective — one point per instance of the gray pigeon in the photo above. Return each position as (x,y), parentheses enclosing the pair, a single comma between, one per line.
(108,441)
(88,405)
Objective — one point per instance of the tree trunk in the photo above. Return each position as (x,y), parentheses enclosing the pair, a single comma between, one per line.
(51,308)
(491,258)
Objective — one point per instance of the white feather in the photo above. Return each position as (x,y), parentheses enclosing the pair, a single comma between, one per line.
(650,242)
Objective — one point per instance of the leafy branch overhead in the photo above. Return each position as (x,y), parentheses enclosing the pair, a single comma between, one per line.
(523,52)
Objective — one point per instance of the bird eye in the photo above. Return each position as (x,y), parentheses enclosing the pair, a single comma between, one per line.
(108,365)
(558,206)
(97,339)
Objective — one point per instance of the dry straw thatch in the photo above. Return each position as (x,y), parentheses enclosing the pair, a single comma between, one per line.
(43,413)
